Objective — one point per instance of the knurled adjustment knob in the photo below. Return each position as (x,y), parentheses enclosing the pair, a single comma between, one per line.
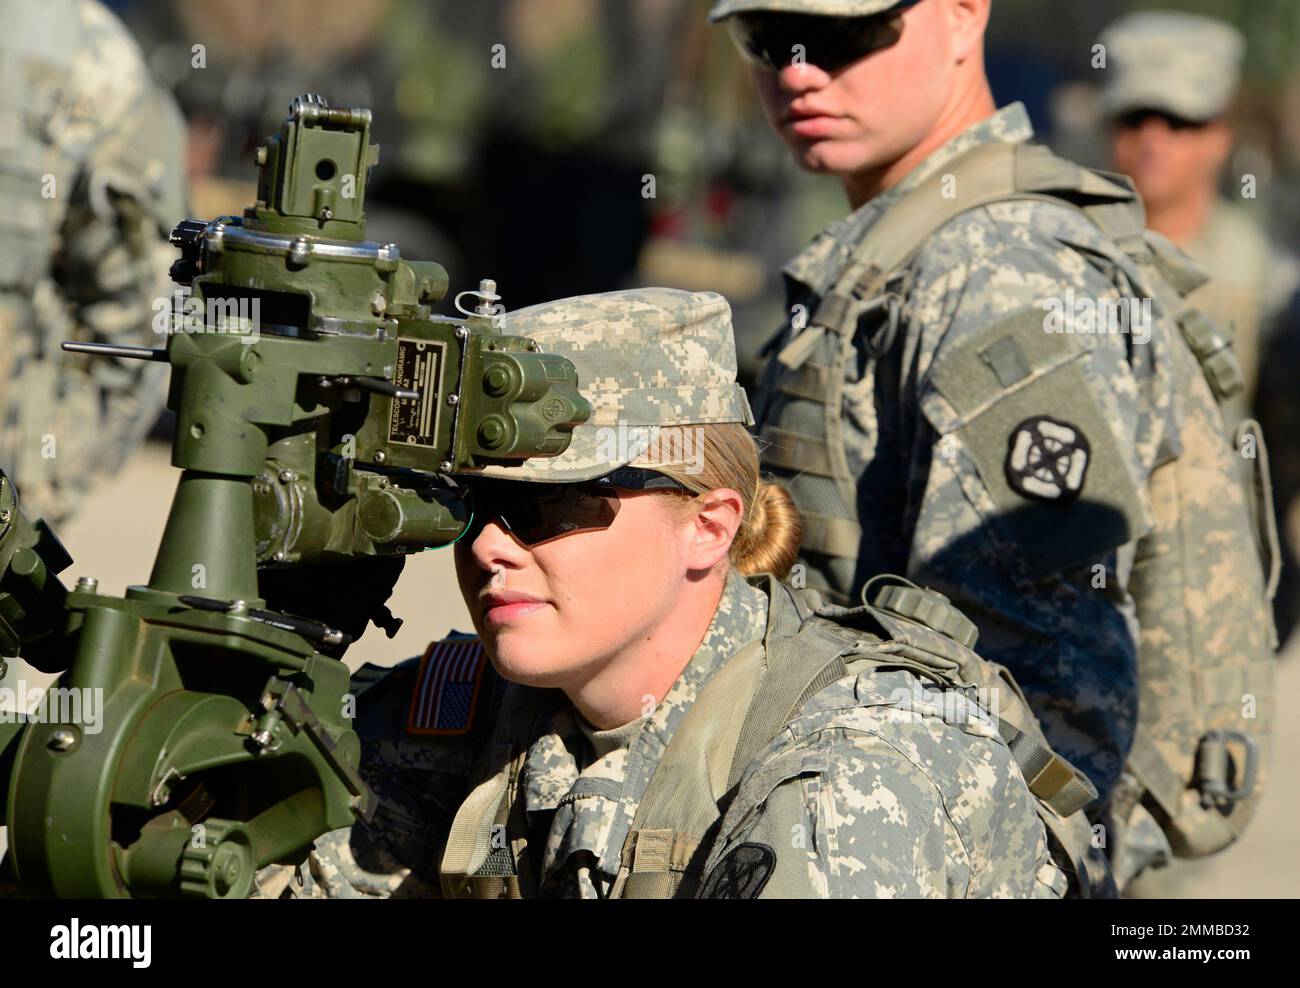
(929,608)
(221,867)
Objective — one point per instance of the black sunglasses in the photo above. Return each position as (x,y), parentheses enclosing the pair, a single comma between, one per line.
(772,39)
(1134,119)
(535,513)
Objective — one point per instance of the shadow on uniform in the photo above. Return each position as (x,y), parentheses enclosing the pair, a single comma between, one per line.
(1021,648)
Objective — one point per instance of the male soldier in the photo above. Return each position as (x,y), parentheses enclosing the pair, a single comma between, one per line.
(971,390)
(1170,78)
(91,183)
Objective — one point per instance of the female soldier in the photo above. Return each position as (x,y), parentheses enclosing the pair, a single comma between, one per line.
(656,719)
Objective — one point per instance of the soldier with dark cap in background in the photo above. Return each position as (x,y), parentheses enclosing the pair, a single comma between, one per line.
(1170,81)
(91,183)
(983,383)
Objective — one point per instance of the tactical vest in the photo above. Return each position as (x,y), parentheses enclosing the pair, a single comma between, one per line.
(1193,767)
(808,645)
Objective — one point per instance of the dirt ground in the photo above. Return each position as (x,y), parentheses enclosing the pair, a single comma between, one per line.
(116,536)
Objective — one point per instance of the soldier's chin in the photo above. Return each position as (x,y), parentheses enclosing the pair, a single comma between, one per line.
(827,156)
(527,660)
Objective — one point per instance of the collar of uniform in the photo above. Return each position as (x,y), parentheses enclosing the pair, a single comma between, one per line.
(551,770)
(820,263)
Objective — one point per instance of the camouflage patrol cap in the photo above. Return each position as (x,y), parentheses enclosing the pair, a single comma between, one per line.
(647,358)
(825,8)
(1182,64)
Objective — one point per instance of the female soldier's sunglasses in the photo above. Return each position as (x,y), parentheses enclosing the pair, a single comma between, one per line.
(773,39)
(535,513)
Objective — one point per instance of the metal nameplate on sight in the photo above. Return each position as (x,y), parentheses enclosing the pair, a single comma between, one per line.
(414,422)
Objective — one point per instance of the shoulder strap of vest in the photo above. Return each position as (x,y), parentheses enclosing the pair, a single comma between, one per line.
(475,864)
(761,689)
(734,717)
(794,674)
(998,172)
(993,172)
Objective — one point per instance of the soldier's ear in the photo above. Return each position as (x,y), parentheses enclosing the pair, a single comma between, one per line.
(967,20)
(712,527)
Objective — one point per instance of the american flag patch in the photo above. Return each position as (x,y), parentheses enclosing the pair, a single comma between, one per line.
(446,687)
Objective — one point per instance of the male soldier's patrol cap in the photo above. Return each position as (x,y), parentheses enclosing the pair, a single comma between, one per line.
(646,358)
(1181,64)
(826,8)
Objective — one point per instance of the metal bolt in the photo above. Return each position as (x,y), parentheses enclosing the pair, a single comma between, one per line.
(445,466)
(87,584)
(453,399)
(5,515)
(461,332)
(287,476)
(380,456)
(378,304)
(278,555)
(62,739)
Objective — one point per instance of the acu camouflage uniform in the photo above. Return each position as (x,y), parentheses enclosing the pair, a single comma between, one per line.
(90,184)
(919,498)
(878,788)
(905,404)
(861,784)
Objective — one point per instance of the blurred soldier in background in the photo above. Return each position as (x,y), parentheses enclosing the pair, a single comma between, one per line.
(90,186)
(1171,78)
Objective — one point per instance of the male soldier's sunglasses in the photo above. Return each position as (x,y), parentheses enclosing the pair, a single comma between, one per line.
(773,40)
(535,513)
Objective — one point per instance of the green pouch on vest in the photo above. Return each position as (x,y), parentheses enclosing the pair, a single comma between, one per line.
(1047,473)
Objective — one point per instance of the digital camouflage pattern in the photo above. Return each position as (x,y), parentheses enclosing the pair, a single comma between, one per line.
(646,358)
(886,788)
(874,789)
(91,182)
(1179,63)
(1056,611)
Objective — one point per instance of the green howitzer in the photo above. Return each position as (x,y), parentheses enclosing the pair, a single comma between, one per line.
(200,727)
